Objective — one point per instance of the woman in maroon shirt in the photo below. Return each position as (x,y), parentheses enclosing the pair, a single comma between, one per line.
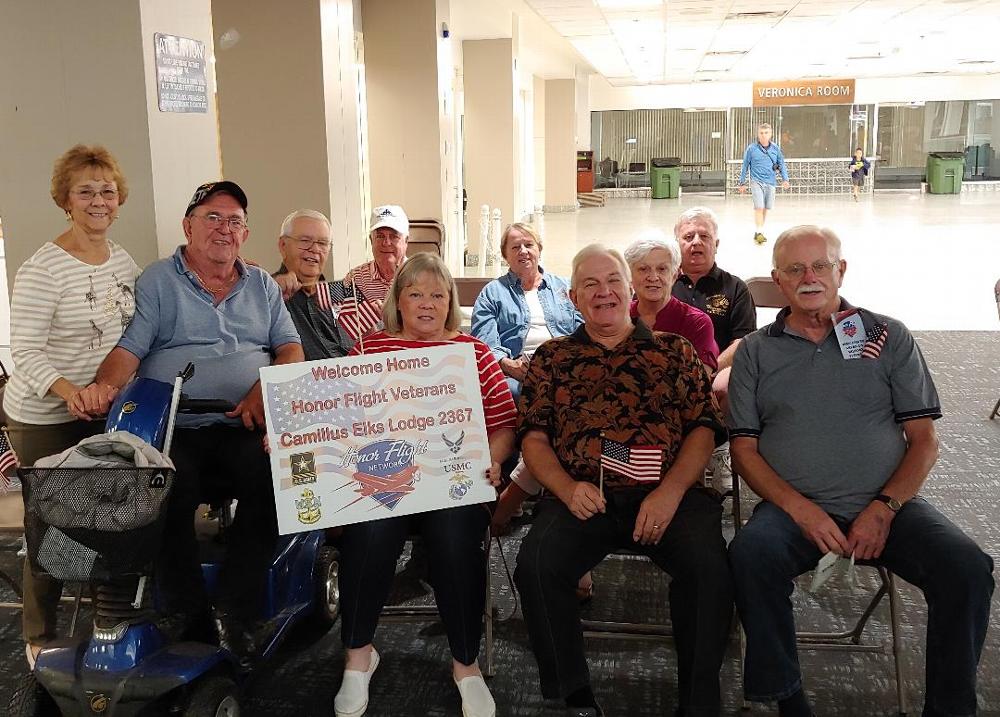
(654,260)
(420,311)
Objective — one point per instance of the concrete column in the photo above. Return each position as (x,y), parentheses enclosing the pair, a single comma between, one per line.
(560,145)
(84,73)
(290,118)
(539,141)
(410,111)
(582,99)
(490,128)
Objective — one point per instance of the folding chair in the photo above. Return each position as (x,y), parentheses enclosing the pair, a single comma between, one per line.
(627,630)
(11,524)
(418,613)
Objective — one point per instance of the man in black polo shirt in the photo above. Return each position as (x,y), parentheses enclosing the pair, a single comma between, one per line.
(724,297)
(702,284)
(304,245)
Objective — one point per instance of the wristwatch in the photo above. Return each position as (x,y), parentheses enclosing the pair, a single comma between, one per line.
(894,505)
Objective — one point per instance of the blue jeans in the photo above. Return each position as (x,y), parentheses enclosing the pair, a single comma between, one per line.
(924,548)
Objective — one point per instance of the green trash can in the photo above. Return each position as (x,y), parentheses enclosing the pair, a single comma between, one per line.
(665,178)
(944,172)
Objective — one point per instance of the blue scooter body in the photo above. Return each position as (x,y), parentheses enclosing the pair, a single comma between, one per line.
(121,674)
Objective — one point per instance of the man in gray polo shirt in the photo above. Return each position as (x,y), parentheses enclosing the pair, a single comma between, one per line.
(831,423)
(204,305)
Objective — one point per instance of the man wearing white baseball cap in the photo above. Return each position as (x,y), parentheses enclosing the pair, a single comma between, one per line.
(389,232)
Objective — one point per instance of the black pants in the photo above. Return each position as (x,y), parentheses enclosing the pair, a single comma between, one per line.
(560,548)
(211,462)
(456,557)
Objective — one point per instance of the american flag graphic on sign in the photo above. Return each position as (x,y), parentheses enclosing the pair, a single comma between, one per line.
(876,340)
(8,462)
(355,314)
(287,418)
(640,463)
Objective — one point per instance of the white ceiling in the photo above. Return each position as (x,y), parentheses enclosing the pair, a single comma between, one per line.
(667,41)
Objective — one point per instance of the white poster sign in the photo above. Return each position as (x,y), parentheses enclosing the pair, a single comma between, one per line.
(370,437)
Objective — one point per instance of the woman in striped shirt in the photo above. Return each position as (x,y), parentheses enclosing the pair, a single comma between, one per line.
(421,310)
(70,303)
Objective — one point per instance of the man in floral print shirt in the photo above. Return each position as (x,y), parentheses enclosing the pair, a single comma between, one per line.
(616,383)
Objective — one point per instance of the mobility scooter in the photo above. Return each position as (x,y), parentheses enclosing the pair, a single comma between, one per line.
(103,526)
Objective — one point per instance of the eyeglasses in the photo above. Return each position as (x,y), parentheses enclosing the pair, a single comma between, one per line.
(389,237)
(820,268)
(310,242)
(215,221)
(87,195)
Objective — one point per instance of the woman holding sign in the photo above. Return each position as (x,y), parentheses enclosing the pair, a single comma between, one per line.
(421,311)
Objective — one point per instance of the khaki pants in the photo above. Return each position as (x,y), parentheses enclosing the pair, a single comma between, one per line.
(41,592)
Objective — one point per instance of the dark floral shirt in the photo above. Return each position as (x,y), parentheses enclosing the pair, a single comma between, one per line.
(649,390)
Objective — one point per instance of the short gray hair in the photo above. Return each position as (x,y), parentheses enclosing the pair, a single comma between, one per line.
(286,226)
(804,231)
(651,240)
(597,249)
(420,263)
(764,125)
(694,214)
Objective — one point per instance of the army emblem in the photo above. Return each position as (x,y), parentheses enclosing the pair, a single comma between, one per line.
(308,507)
(303,468)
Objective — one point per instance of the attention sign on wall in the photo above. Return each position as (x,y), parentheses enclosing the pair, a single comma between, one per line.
(803,92)
(180,74)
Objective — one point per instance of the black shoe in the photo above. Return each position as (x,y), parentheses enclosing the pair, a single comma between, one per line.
(239,638)
(592,711)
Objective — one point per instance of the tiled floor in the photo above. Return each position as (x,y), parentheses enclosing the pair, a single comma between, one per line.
(929,260)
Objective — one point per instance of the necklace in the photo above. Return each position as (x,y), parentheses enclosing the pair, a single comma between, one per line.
(225,285)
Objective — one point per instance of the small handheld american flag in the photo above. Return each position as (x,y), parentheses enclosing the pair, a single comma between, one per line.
(640,463)
(355,314)
(8,462)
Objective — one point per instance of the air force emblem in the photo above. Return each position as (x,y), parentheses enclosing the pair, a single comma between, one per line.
(456,445)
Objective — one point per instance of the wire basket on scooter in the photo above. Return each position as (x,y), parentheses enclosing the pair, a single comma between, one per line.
(94,523)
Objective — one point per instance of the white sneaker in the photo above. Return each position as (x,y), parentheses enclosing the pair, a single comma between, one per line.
(722,472)
(476,698)
(352,697)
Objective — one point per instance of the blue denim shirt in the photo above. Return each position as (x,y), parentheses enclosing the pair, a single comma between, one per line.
(176,321)
(500,316)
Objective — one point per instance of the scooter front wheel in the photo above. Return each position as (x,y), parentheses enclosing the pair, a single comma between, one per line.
(214,697)
(30,699)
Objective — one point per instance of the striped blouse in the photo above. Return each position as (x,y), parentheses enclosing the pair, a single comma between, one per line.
(65,316)
(498,405)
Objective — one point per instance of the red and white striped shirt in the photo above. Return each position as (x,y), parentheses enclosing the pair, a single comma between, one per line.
(369,279)
(498,405)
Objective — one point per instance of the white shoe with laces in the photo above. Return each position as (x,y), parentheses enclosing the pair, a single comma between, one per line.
(352,697)
(722,472)
(476,698)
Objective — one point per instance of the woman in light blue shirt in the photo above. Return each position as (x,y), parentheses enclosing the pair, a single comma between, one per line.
(522,309)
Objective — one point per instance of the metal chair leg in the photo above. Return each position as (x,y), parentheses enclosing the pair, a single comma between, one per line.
(897,641)
(490,667)
(996,409)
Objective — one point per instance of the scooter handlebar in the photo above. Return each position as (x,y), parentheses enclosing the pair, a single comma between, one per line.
(205,405)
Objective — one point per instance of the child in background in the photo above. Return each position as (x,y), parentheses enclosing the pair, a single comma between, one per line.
(859,170)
